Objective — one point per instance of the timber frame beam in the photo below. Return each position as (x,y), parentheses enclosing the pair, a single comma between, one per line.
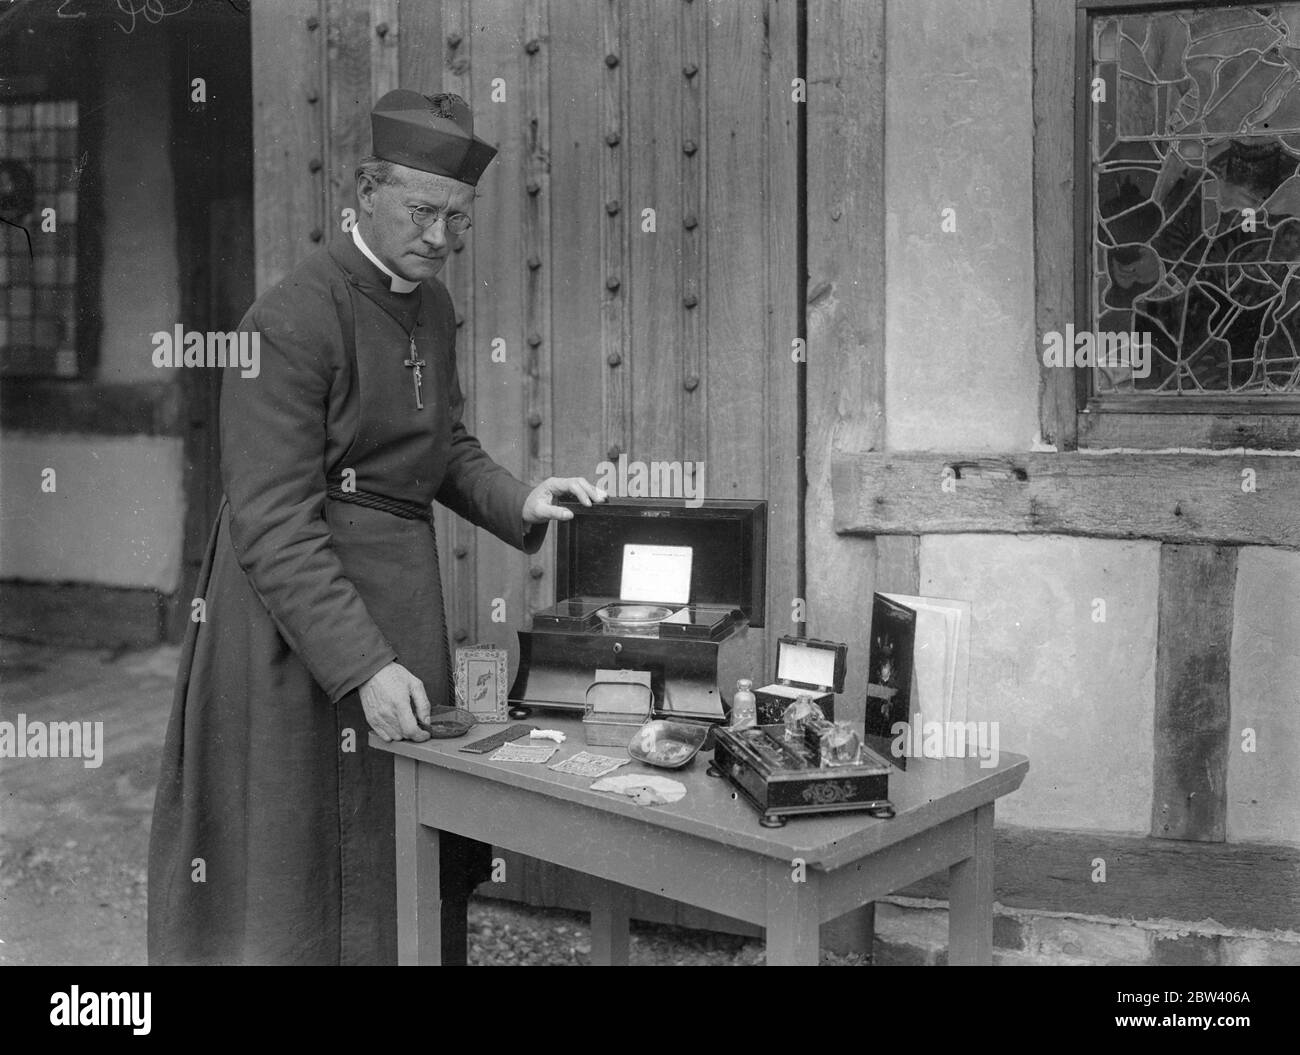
(1251,885)
(1238,499)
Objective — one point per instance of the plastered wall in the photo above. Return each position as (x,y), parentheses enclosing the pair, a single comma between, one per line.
(115,516)
(1075,695)
(959,305)
(1264,783)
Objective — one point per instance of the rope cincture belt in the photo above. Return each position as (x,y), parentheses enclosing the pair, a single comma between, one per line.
(399,507)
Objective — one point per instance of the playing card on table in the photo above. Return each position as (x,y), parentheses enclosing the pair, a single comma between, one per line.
(585,764)
(523,753)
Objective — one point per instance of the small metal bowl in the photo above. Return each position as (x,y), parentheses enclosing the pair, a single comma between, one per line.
(667,744)
(447,723)
(634,619)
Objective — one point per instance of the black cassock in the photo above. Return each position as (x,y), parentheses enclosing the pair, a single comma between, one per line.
(272,842)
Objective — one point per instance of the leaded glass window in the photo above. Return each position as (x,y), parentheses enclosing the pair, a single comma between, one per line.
(38,269)
(1194,157)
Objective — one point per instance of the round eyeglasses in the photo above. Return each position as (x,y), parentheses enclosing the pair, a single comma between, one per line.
(426,216)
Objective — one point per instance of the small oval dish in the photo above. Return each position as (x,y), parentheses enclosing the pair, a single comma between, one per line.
(667,744)
(446,723)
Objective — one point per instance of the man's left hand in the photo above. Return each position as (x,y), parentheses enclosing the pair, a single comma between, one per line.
(540,505)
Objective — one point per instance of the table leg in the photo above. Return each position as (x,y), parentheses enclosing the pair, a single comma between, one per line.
(453,922)
(419,897)
(793,915)
(970,898)
(854,932)
(610,903)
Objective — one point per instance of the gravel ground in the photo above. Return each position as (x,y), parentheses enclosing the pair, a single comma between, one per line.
(504,933)
(501,932)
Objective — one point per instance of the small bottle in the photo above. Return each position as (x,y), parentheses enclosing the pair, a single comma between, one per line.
(799,715)
(744,705)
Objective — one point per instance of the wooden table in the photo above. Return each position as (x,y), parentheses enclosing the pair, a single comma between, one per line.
(707,850)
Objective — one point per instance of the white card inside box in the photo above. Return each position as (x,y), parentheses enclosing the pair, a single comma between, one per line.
(810,666)
(659,574)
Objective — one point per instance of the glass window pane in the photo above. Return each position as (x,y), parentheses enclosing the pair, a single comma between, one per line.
(1195,199)
(37,173)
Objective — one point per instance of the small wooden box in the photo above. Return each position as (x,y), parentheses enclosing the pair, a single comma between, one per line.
(782,778)
(617,704)
(804,667)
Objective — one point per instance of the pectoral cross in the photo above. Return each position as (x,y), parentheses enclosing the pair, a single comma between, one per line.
(416,376)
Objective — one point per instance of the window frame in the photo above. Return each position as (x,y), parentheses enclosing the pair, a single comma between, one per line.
(81,87)
(1212,421)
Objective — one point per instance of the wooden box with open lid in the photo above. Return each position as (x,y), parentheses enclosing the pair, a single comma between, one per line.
(652,585)
(805,666)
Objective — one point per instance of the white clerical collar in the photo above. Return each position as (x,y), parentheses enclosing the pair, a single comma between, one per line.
(396,283)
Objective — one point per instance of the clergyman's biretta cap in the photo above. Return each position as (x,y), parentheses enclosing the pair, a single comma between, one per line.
(433,133)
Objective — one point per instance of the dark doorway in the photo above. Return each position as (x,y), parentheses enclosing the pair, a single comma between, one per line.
(212,154)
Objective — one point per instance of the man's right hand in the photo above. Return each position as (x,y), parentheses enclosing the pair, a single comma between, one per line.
(392,700)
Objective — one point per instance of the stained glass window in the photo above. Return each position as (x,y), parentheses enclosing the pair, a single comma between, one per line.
(38,269)
(1195,196)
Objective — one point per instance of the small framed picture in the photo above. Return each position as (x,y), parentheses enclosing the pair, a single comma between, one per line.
(481,682)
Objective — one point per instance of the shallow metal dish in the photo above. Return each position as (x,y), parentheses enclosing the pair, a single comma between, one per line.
(634,618)
(667,744)
(446,723)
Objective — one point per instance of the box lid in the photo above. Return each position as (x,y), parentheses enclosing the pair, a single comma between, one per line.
(728,538)
(811,664)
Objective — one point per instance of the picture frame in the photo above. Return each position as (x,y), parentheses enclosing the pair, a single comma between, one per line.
(481,684)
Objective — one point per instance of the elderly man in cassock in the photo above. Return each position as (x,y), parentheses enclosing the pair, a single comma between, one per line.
(273,833)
